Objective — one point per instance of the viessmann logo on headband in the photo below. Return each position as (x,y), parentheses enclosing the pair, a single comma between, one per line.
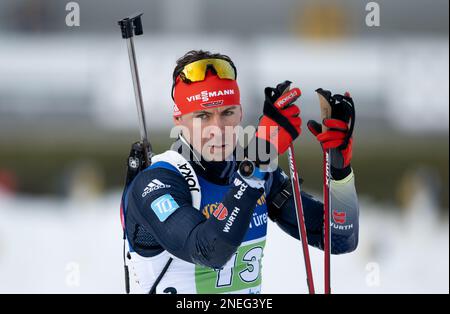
(206,95)
(210,93)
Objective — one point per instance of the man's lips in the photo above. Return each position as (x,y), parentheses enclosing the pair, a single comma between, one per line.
(218,146)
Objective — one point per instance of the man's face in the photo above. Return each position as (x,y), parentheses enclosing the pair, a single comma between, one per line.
(212,131)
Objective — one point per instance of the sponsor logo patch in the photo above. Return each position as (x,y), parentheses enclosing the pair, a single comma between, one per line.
(221,212)
(188,177)
(154,185)
(237,182)
(242,188)
(164,206)
(206,95)
(212,104)
(339,217)
(231,219)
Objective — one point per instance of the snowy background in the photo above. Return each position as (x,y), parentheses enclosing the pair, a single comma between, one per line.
(75,247)
(67,119)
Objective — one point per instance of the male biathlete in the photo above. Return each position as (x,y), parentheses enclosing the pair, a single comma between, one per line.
(196,218)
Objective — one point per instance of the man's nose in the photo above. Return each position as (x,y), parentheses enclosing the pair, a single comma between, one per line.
(218,121)
(216,127)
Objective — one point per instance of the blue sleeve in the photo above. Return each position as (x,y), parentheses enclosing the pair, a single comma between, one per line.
(160,201)
(286,218)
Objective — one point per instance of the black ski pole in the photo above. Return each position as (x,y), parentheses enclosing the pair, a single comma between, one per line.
(140,156)
(132,26)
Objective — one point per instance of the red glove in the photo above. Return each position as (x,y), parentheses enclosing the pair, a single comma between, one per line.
(281,122)
(338,136)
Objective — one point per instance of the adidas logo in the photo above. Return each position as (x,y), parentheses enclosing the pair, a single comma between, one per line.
(154,185)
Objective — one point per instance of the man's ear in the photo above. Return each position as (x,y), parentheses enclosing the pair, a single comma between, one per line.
(240,108)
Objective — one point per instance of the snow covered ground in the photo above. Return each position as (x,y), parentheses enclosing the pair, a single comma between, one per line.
(68,246)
